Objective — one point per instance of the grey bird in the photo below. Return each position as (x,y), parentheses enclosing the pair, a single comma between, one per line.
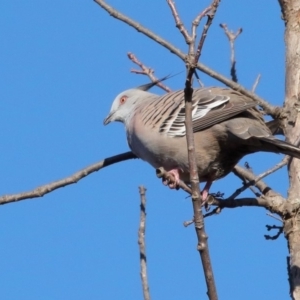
(226,125)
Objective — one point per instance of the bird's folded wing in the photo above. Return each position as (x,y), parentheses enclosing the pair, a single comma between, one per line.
(220,114)
(209,108)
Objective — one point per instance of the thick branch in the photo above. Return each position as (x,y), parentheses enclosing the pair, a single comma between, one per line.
(50,187)
(268,108)
(291,11)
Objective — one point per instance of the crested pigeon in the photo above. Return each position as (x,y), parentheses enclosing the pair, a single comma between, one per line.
(226,125)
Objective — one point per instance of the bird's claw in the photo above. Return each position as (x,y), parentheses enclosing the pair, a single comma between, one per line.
(172,179)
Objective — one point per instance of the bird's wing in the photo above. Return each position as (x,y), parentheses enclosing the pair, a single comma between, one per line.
(210,106)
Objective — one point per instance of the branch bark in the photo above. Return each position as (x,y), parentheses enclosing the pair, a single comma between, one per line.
(291,11)
(50,187)
(191,63)
(142,244)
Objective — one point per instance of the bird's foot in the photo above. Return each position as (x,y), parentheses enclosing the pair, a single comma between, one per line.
(205,191)
(204,196)
(172,180)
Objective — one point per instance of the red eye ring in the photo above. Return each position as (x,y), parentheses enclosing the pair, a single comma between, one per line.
(123,99)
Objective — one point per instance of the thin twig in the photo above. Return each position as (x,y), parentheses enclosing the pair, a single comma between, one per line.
(146,71)
(276,236)
(198,79)
(275,217)
(197,21)
(142,244)
(278,166)
(179,23)
(256,180)
(256,83)
(210,16)
(232,37)
(50,187)
(269,109)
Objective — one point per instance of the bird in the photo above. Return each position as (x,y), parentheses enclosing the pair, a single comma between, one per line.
(227,125)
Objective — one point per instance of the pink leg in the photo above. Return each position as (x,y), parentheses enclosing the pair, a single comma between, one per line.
(173,184)
(206,190)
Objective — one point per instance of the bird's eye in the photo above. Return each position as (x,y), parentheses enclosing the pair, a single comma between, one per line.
(123,99)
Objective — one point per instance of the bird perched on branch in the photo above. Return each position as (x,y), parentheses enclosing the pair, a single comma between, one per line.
(226,125)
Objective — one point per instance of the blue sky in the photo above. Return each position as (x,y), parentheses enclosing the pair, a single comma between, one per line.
(61,65)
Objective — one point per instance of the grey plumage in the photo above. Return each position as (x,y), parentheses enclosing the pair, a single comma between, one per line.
(226,124)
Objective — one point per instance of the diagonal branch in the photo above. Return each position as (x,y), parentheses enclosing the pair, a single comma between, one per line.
(146,71)
(197,21)
(179,23)
(256,83)
(50,187)
(269,109)
(210,13)
(256,180)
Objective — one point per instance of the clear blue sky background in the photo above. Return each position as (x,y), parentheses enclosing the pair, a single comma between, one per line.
(61,65)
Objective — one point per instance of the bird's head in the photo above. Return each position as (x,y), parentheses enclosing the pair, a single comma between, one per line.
(123,105)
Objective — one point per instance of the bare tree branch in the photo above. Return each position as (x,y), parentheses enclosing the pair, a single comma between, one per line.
(275,217)
(269,109)
(197,21)
(198,79)
(50,187)
(210,13)
(142,244)
(272,203)
(179,23)
(146,71)
(256,180)
(256,83)
(232,37)
(276,236)
(265,201)
(191,63)
(246,174)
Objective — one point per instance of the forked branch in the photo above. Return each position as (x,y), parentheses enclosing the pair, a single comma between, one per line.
(146,71)
(232,37)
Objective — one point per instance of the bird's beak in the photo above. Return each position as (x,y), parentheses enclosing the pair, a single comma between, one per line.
(108,119)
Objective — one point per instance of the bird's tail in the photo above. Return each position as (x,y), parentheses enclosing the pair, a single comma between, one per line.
(281,147)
